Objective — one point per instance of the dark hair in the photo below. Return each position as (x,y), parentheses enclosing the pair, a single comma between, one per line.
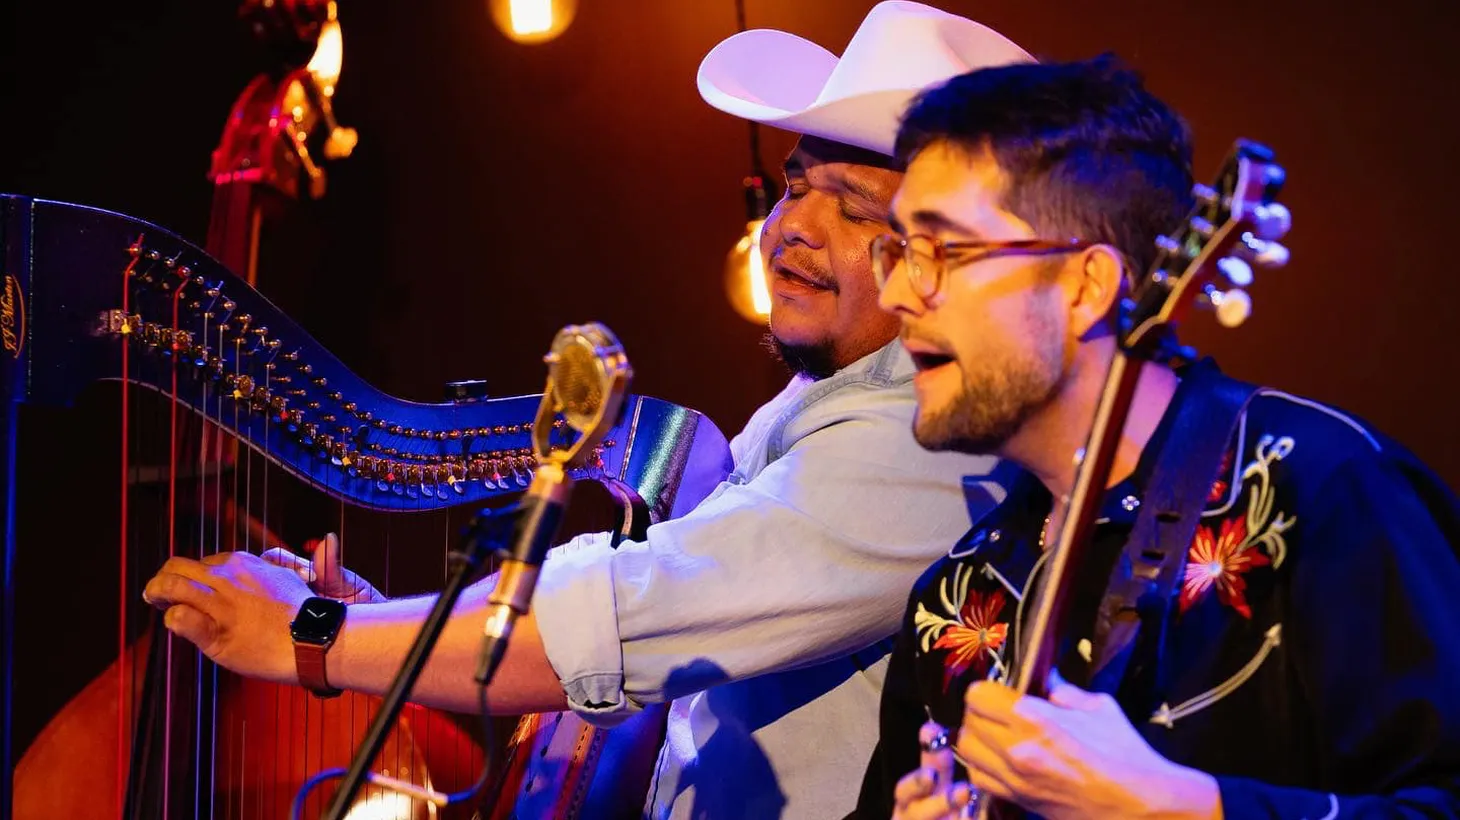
(1089,152)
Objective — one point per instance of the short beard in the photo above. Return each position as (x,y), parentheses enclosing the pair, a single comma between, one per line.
(984,415)
(813,360)
(993,405)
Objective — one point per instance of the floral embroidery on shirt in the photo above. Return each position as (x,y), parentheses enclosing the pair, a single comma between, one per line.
(970,631)
(1255,540)
(969,642)
(1221,562)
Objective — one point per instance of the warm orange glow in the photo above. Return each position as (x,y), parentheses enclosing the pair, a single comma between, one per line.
(383,807)
(532,21)
(760,292)
(745,276)
(531,16)
(329,55)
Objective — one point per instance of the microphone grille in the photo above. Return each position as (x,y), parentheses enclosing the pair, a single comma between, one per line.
(578,383)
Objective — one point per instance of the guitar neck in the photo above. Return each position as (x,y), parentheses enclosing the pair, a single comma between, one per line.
(1069,555)
(1049,616)
(1230,220)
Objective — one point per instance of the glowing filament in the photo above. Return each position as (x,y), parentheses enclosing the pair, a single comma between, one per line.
(531,16)
(329,54)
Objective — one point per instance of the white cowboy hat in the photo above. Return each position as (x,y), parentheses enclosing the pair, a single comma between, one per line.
(900,49)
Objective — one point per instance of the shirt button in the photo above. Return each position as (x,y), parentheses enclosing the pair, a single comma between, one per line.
(1129,503)
(995,535)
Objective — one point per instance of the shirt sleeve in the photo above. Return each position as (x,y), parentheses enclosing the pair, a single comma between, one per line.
(810,559)
(1375,637)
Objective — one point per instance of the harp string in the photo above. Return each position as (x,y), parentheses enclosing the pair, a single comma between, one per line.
(124,690)
(231,500)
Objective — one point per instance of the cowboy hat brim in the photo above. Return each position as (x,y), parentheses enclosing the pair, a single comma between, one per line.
(901,49)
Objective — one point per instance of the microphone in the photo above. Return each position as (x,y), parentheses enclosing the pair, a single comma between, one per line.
(588,375)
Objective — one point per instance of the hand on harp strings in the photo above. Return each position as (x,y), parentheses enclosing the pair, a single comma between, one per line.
(135,325)
(325,571)
(235,607)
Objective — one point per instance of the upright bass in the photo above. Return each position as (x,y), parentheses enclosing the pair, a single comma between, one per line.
(279,134)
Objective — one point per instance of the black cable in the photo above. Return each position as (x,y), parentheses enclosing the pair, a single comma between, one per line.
(759,193)
(484,536)
(297,811)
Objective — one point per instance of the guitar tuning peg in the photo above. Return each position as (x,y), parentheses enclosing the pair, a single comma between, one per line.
(1237,272)
(1232,307)
(1167,245)
(1272,220)
(1175,353)
(1254,150)
(1265,253)
(1273,178)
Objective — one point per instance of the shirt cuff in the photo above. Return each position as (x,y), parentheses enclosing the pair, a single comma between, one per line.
(1243,797)
(578,622)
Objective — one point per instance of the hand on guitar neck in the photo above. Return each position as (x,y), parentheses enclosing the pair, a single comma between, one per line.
(1074,755)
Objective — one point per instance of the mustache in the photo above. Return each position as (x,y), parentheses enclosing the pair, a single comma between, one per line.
(804,265)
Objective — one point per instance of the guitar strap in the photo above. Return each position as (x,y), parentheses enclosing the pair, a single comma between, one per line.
(1142,582)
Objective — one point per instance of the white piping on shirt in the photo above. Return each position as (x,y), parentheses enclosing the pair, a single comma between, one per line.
(1168,715)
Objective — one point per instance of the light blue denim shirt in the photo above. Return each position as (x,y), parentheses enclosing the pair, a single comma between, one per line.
(765,613)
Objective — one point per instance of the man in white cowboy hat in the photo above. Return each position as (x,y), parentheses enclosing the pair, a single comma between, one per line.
(763,616)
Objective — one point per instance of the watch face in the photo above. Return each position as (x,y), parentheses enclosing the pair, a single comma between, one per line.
(318,621)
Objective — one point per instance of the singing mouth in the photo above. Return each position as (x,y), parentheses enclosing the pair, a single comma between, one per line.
(930,361)
(926,355)
(796,277)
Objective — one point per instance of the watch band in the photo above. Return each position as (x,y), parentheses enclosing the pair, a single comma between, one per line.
(309,664)
(313,629)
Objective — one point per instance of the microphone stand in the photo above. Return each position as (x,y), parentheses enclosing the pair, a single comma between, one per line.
(587,376)
(487,533)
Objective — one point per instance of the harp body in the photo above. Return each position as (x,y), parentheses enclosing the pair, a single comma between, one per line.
(94,297)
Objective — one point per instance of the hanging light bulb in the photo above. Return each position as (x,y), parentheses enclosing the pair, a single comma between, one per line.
(745,279)
(324,67)
(746,282)
(329,53)
(745,274)
(532,21)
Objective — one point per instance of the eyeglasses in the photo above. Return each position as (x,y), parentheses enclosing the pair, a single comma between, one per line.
(927,259)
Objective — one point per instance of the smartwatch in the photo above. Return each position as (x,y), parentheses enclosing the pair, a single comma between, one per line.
(314,629)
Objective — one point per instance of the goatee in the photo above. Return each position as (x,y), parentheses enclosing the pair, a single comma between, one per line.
(813,360)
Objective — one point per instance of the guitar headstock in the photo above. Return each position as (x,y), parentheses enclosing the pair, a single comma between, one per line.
(283,124)
(1208,261)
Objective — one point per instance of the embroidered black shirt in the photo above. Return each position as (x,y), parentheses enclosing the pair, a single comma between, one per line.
(1314,652)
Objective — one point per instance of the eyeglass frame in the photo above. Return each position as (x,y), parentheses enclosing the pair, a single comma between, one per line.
(941,256)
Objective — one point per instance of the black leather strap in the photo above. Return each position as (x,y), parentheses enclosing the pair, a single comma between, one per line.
(1145,575)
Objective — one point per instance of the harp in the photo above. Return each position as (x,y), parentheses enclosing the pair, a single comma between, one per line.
(99,304)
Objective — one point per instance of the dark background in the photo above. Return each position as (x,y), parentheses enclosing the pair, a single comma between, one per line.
(500,191)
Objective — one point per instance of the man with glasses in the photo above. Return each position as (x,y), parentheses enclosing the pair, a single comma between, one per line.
(764,615)
(1311,648)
